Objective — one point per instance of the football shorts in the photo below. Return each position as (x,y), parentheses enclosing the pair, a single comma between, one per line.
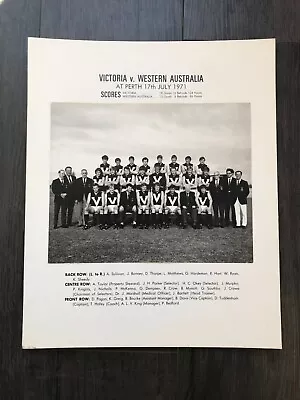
(172,209)
(156,208)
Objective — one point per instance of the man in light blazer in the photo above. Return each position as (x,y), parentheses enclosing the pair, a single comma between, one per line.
(240,205)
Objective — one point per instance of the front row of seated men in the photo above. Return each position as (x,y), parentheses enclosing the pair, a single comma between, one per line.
(157,208)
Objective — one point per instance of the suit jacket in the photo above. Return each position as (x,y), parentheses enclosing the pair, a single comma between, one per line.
(81,190)
(217,192)
(71,186)
(128,202)
(58,188)
(242,191)
(230,190)
(188,201)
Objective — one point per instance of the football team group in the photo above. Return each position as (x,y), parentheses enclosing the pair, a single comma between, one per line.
(161,196)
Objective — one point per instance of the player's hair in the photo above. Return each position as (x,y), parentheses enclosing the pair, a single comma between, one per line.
(239,172)
(83,169)
(113,169)
(111,185)
(145,159)
(105,157)
(157,166)
(126,168)
(172,187)
(202,158)
(118,159)
(206,169)
(60,170)
(68,167)
(174,156)
(156,184)
(173,169)
(95,184)
(98,169)
(202,186)
(159,156)
(229,170)
(143,184)
(188,158)
(129,184)
(131,158)
(142,168)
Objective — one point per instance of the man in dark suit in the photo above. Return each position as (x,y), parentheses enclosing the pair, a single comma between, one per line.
(128,204)
(60,189)
(70,180)
(83,186)
(229,184)
(240,205)
(216,189)
(188,205)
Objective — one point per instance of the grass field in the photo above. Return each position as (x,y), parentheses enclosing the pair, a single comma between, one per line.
(75,245)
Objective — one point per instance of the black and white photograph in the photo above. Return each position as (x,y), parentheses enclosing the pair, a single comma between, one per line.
(163,183)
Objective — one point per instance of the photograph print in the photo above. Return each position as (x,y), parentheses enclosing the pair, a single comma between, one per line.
(150,183)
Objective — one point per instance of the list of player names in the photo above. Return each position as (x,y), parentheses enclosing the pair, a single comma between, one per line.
(149,289)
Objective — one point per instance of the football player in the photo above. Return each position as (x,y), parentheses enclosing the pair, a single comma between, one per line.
(145,166)
(187,164)
(174,179)
(94,206)
(200,167)
(173,164)
(157,178)
(112,201)
(160,164)
(126,178)
(105,167)
(113,179)
(204,179)
(157,204)
(133,169)
(99,178)
(118,167)
(143,203)
(204,203)
(172,205)
(189,178)
(141,179)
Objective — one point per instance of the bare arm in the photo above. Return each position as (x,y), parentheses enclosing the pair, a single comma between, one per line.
(88,200)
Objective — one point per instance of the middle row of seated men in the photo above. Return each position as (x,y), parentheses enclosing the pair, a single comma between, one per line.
(143,203)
